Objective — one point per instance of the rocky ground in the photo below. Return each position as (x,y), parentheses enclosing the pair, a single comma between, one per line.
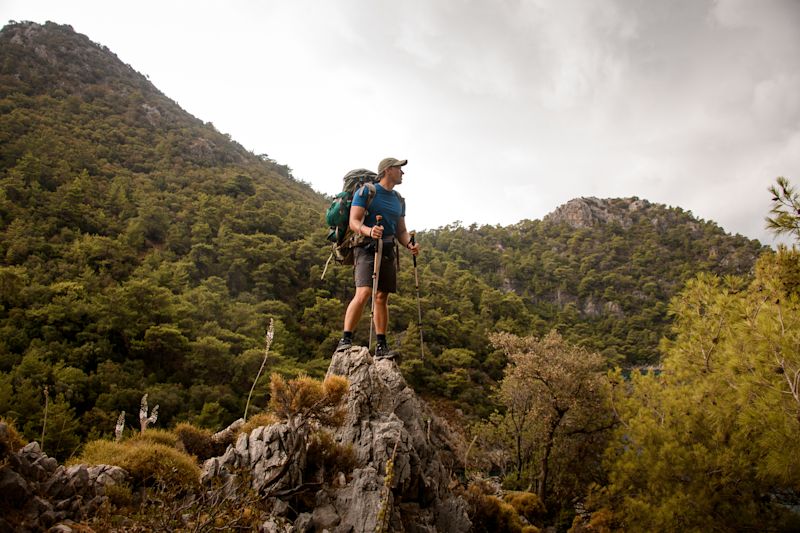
(402,477)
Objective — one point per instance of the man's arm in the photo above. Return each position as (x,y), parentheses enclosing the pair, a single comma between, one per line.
(357,215)
(405,237)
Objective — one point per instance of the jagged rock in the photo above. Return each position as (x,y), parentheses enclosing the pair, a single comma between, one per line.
(590,211)
(14,490)
(385,418)
(41,492)
(325,517)
(264,452)
(303,523)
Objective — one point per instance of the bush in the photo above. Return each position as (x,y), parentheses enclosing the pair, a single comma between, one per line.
(10,440)
(258,420)
(325,457)
(309,398)
(490,513)
(148,463)
(198,441)
(527,504)
(156,436)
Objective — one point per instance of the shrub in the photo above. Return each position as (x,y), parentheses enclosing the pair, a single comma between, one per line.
(161,465)
(309,397)
(156,436)
(490,513)
(119,495)
(146,462)
(527,504)
(258,420)
(325,457)
(198,441)
(10,440)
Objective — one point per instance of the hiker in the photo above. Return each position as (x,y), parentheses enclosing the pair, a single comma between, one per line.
(387,204)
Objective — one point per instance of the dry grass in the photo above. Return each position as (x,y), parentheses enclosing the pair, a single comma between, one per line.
(10,439)
(147,462)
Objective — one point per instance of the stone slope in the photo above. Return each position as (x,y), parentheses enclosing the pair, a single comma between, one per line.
(386,418)
(387,426)
(385,421)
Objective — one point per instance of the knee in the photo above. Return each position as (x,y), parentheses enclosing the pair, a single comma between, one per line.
(381,298)
(362,295)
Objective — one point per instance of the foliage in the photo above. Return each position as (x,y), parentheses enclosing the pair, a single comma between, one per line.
(10,440)
(309,399)
(703,443)
(785,209)
(527,504)
(258,420)
(556,416)
(489,513)
(326,458)
(148,463)
(198,441)
(156,436)
(143,252)
(230,506)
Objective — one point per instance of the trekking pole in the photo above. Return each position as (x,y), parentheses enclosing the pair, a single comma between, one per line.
(376,271)
(419,305)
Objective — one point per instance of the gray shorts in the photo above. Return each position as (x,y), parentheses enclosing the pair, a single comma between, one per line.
(364,261)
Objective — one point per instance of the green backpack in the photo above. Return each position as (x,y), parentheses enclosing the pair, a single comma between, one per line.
(337,216)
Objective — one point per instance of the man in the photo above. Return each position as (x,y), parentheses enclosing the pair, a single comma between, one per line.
(390,206)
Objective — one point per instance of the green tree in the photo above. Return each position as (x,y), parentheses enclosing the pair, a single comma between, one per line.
(785,209)
(706,443)
(556,413)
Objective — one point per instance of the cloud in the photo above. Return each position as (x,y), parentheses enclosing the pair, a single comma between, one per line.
(505,109)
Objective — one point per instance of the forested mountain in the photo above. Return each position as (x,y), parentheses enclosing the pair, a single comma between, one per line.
(144,252)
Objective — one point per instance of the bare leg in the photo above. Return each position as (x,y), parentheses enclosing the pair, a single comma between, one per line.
(381,312)
(356,308)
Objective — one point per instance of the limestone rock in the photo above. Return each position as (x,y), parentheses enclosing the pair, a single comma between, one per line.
(37,492)
(385,418)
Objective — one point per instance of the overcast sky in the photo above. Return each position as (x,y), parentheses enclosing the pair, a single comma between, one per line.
(504,109)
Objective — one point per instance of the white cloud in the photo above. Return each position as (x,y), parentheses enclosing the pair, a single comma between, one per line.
(505,109)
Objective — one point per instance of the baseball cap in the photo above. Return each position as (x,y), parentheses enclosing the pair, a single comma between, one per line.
(390,162)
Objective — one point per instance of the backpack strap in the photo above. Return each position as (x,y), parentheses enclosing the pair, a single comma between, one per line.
(371,191)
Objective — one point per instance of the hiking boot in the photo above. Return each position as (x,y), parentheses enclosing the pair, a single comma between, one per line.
(382,351)
(344,344)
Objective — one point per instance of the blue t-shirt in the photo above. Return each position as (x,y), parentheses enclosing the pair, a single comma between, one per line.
(385,203)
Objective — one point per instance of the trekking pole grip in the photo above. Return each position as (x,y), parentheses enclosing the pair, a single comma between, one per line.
(413,241)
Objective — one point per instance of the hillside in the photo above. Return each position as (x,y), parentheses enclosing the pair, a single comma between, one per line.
(601,271)
(144,252)
(139,245)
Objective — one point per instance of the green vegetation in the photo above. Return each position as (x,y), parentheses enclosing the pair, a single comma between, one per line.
(148,462)
(707,444)
(144,252)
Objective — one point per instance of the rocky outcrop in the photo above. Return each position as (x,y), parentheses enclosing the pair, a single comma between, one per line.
(36,492)
(386,419)
(400,477)
(591,211)
(386,424)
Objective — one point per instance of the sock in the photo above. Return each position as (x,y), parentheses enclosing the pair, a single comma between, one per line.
(347,335)
(382,338)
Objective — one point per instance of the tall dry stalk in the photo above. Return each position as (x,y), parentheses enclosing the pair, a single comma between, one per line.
(44,422)
(270,334)
(384,513)
(145,420)
(120,427)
